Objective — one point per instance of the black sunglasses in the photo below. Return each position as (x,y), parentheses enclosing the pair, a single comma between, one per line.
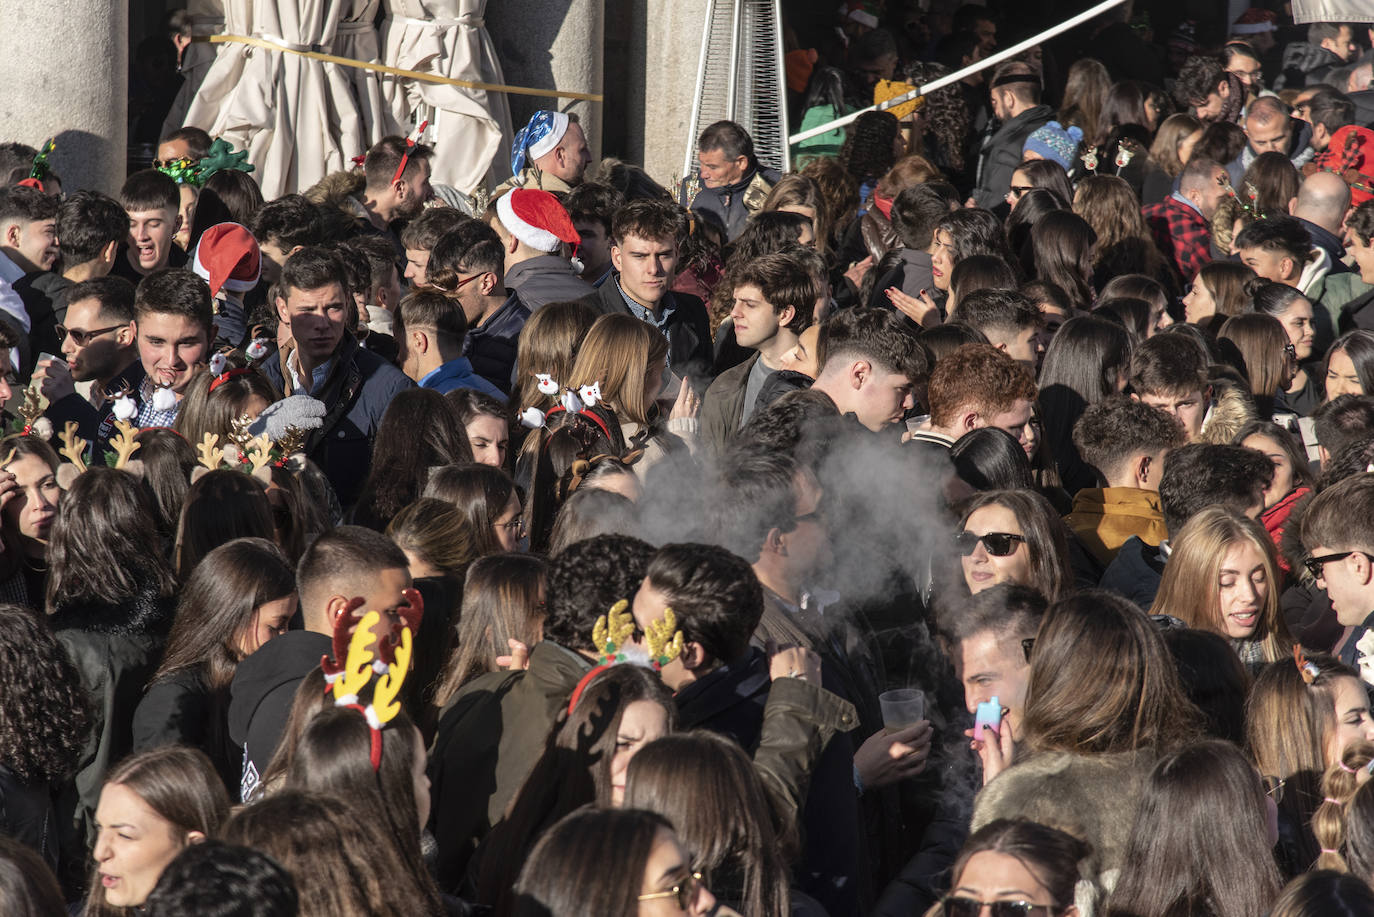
(970,907)
(998,544)
(80,337)
(1314,565)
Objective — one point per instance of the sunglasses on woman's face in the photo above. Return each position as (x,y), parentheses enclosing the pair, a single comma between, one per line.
(970,907)
(998,544)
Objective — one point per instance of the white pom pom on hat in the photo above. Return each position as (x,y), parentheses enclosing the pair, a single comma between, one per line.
(124,408)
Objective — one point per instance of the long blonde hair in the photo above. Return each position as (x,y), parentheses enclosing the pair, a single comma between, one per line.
(1189,589)
(618,353)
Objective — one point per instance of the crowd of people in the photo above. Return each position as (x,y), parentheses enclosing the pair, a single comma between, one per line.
(977,519)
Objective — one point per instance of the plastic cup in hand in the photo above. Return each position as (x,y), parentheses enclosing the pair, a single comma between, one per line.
(901,708)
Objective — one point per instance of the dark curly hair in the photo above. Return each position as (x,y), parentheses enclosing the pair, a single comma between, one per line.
(947,117)
(45,716)
(586,579)
(867,152)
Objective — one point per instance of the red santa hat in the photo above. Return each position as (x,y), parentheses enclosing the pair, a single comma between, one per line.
(537,219)
(228,257)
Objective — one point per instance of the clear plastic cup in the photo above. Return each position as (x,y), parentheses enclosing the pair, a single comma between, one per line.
(901,708)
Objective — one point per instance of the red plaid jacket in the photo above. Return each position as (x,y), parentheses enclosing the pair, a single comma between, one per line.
(1181,234)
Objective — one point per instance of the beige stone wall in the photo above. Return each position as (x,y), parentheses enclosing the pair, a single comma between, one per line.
(64,72)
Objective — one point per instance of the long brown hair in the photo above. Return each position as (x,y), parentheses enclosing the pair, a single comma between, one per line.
(479,493)
(1062,243)
(548,344)
(574,770)
(706,785)
(1124,241)
(1172,132)
(1045,534)
(796,190)
(12,557)
(435,532)
(1262,342)
(1199,842)
(1189,589)
(219,605)
(100,548)
(333,756)
(1102,681)
(167,460)
(330,849)
(1289,723)
(419,431)
(502,599)
(1085,91)
(208,407)
(1339,784)
(181,786)
(1226,281)
(27,886)
(618,352)
(569,872)
(220,506)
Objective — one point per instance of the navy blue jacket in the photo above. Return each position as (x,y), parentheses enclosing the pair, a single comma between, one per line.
(356,394)
(490,346)
(1135,572)
(730,206)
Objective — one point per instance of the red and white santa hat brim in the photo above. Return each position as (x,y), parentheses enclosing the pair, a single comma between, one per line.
(537,219)
(228,257)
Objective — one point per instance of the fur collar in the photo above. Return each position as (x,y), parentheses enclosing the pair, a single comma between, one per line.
(143,614)
(1232,408)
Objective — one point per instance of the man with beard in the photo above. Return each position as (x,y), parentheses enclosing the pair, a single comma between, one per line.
(550,153)
(397,187)
(98,346)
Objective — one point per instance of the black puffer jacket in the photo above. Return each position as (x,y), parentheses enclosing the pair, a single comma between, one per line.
(116,649)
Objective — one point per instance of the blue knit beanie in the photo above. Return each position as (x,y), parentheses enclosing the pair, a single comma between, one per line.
(1055,143)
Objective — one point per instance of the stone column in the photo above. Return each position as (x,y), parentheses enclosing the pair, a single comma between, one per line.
(667,73)
(555,44)
(64,68)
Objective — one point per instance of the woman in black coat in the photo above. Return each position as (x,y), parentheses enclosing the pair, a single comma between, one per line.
(238,597)
(110,602)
